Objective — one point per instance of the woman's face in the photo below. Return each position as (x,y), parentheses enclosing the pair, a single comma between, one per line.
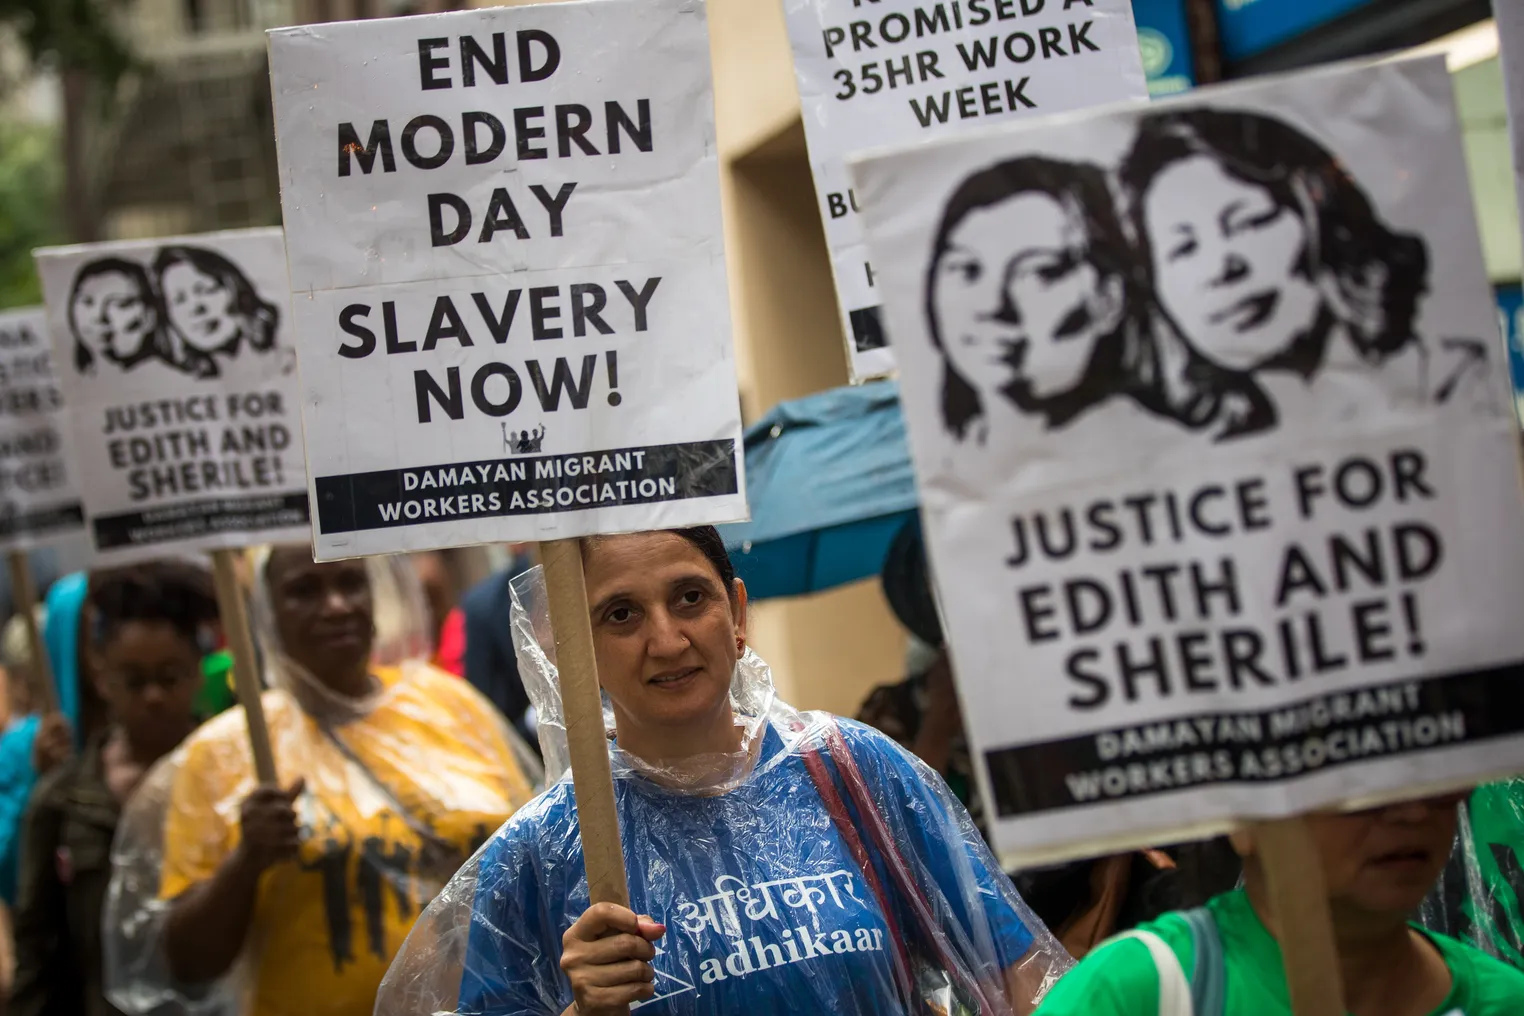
(200,307)
(111,313)
(664,628)
(149,675)
(1228,263)
(323,612)
(1017,300)
(1385,861)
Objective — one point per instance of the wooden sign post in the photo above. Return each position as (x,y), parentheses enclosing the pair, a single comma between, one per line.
(24,597)
(1299,903)
(582,705)
(235,623)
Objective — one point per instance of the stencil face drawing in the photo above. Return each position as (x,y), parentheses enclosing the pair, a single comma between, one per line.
(210,304)
(200,307)
(1017,301)
(1021,310)
(112,313)
(1229,263)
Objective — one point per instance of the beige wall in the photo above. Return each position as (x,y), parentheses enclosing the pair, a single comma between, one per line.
(826,650)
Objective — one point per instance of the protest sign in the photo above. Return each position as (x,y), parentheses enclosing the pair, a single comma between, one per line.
(873,73)
(38,500)
(1212,424)
(504,236)
(176,364)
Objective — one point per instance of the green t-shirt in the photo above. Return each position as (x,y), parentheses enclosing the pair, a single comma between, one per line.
(1120,979)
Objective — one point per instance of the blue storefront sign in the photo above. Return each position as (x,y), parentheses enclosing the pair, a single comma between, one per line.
(1164,38)
(1511,317)
(1247,27)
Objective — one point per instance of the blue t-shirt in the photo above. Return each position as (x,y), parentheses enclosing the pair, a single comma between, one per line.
(766,909)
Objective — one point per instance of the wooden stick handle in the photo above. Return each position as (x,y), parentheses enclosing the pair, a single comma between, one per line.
(24,597)
(587,742)
(1299,902)
(235,622)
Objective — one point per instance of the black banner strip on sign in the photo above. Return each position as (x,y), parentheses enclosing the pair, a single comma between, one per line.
(525,485)
(190,519)
(1267,746)
(40,523)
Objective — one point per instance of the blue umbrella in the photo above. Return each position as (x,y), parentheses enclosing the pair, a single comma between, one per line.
(829,481)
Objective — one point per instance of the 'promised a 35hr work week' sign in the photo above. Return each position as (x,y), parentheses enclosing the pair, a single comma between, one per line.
(505,248)
(873,73)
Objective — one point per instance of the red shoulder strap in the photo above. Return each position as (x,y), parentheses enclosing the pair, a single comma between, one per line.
(826,786)
(910,891)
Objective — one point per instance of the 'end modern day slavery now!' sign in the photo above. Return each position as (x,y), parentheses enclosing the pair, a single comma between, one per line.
(1212,423)
(873,73)
(504,237)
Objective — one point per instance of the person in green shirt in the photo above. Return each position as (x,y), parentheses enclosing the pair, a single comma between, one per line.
(1378,866)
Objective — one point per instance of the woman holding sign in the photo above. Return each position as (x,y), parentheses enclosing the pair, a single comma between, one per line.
(393,775)
(777,861)
(1378,866)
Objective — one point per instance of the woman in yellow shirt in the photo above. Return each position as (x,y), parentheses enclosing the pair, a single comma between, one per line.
(392,776)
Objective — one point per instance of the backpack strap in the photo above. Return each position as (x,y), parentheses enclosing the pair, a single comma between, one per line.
(1209,972)
(1174,989)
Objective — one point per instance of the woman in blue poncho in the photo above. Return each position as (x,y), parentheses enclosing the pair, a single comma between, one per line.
(778,861)
(35,742)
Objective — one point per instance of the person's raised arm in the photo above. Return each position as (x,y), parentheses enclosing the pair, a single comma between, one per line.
(209,922)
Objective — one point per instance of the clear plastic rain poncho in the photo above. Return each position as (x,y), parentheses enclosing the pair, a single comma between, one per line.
(1479,898)
(821,869)
(401,787)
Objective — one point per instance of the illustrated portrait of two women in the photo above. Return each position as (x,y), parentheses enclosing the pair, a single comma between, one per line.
(1219,278)
(189,308)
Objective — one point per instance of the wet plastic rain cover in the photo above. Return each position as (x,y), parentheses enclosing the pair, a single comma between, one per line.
(1478,898)
(401,787)
(820,870)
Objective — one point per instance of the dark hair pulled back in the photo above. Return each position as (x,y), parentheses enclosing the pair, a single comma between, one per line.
(177,593)
(709,543)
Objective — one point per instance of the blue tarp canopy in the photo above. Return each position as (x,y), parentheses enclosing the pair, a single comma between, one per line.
(829,481)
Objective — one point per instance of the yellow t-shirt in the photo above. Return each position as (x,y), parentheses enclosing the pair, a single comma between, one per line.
(327,926)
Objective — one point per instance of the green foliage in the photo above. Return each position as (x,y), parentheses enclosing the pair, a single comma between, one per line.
(31,176)
(72,34)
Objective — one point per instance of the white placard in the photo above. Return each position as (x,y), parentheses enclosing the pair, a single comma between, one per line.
(873,73)
(505,245)
(1211,418)
(176,364)
(38,500)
